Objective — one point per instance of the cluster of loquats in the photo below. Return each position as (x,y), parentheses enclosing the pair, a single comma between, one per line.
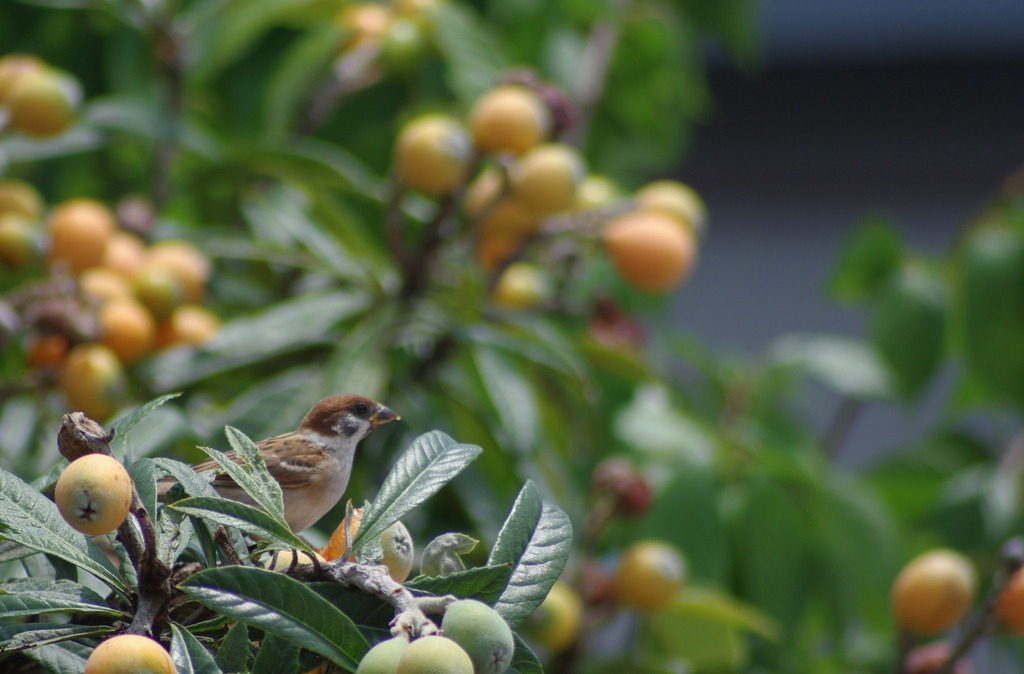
(395,34)
(472,638)
(94,295)
(36,99)
(521,192)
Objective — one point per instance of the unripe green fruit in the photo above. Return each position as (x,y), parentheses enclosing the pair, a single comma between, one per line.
(432,154)
(482,633)
(434,655)
(397,546)
(130,654)
(94,493)
(383,658)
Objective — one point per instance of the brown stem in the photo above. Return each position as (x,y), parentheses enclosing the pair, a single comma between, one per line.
(986,620)
(839,427)
(410,618)
(223,541)
(170,66)
(394,224)
(906,642)
(597,57)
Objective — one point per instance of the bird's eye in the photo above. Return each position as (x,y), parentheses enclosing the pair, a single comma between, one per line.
(362,408)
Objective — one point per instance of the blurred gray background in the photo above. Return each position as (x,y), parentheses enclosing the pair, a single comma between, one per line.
(913,109)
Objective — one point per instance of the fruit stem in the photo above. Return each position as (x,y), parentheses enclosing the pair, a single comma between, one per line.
(846,415)
(986,620)
(416,267)
(597,57)
(410,618)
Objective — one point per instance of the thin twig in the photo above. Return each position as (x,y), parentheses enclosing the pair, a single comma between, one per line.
(846,415)
(410,618)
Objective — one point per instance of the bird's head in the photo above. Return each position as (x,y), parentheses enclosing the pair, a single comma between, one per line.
(346,416)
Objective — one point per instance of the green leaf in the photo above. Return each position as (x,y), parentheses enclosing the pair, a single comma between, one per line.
(512,396)
(143,474)
(233,346)
(846,365)
(19,636)
(235,649)
(192,482)
(174,534)
(12,550)
(276,656)
(908,327)
(141,117)
(990,310)
(19,148)
(714,605)
(656,427)
(474,55)
(123,425)
(485,583)
(869,257)
(524,661)
(655,60)
(36,596)
(189,656)
(282,606)
(703,642)
(430,462)
(299,68)
(535,540)
(284,212)
(29,518)
(252,474)
(771,552)
(242,516)
(694,489)
(65,657)
(362,355)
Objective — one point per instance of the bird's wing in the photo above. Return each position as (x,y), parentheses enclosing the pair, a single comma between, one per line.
(291,472)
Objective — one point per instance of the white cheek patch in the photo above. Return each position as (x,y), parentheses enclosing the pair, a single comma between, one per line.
(330,442)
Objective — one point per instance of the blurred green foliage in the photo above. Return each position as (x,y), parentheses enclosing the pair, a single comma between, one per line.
(253,138)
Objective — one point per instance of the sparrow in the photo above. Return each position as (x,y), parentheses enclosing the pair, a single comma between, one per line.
(312,463)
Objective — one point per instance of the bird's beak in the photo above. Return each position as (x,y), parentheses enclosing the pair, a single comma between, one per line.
(383,416)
